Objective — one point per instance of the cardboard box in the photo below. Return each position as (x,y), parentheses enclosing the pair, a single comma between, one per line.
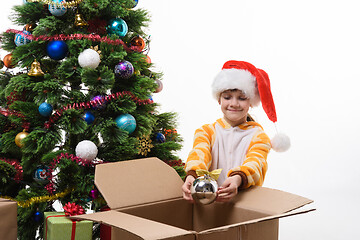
(146,200)
(8,219)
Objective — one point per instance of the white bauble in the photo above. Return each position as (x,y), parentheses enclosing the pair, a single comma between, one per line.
(86,150)
(89,58)
(56,8)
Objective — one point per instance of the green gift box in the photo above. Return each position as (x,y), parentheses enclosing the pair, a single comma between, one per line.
(59,227)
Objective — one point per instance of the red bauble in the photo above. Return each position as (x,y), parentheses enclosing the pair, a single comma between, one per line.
(138,43)
(8,61)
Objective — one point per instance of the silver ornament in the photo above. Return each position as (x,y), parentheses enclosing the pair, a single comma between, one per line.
(204,190)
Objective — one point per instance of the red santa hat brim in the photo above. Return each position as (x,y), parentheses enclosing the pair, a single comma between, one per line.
(246,77)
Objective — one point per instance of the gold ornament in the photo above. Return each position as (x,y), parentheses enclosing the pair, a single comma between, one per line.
(35,70)
(68,4)
(96,49)
(145,145)
(30,27)
(79,21)
(41,199)
(8,61)
(19,137)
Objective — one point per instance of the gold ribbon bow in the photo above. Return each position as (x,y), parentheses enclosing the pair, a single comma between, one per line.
(213,174)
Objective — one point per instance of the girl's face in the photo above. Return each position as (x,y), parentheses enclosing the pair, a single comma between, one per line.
(235,106)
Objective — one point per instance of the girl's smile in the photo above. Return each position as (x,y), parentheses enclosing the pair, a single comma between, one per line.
(235,106)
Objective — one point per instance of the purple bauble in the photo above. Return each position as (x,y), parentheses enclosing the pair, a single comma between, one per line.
(124,69)
(94,193)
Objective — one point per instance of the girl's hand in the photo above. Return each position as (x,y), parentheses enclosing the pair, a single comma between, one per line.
(229,188)
(186,188)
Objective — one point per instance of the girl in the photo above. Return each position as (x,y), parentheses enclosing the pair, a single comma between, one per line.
(235,143)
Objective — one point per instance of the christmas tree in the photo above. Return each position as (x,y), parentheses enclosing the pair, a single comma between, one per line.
(76,91)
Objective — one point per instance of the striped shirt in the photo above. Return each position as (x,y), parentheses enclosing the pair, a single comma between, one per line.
(237,150)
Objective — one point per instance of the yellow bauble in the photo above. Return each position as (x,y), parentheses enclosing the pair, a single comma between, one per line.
(19,137)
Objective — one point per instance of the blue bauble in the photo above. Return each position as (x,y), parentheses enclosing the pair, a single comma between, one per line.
(56,9)
(135,3)
(124,69)
(89,117)
(38,216)
(41,174)
(57,50)
(45,109)
(126,122)
(117,26)
(21,39)
(160,138)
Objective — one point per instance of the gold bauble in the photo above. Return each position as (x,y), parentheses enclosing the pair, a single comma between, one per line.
(19,137)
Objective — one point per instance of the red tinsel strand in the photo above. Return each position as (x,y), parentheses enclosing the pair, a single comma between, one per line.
(94,103)
(7,112)
(63,37)
(15,163)
(178,162)
(50,187)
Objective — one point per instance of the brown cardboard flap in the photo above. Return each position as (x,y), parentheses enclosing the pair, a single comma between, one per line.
(8,220)
(258,220)
(140,227)
(133,182)
(269,201)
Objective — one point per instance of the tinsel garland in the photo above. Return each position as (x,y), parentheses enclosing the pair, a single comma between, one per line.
(76,36)
(94,103)
(50,187)
(69,4)
(41,199)
(15,163)
(7,112)
(174,163)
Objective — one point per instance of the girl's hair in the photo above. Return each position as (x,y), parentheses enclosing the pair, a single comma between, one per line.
(249,118)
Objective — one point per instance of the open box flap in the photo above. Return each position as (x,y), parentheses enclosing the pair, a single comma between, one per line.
(5,200)
(269,201)
(141,227)
(263,219)
(134,182)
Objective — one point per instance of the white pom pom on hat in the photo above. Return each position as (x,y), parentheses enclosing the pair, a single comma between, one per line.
(255,84)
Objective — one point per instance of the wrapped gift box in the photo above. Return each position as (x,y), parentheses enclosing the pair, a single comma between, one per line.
(59,227)
(8,221)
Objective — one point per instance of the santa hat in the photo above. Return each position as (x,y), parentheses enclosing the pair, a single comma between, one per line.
(255,84)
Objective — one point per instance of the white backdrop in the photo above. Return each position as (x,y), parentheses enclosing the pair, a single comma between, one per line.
(310,49)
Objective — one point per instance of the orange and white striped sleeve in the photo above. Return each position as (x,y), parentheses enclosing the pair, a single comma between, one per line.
(200,155)
(255,164)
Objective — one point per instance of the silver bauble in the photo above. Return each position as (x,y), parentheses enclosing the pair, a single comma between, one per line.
(204,190)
